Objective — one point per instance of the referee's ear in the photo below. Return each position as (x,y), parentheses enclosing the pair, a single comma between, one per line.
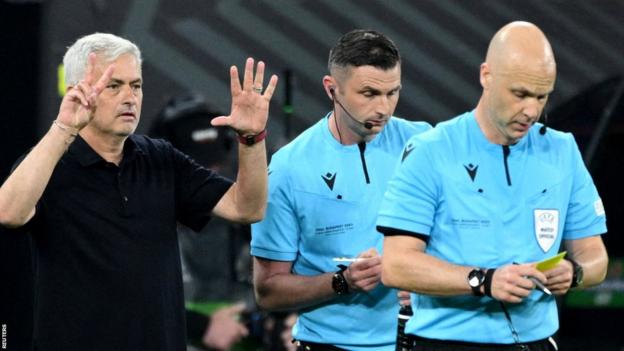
(485,76)
(330,86)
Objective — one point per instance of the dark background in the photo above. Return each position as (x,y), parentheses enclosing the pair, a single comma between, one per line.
(189,45)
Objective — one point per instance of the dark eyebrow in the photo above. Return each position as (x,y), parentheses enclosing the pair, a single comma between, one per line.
(377,91)
(398,88)
(370,89)
(119,81)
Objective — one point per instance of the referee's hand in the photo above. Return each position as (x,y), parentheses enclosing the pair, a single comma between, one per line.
(365,273)
(512,284)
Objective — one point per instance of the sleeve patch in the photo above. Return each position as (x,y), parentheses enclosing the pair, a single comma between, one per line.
(599,208)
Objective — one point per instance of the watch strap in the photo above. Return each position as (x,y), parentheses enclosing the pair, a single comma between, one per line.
(339,282)
(487,282)
(577,273)
(251,139)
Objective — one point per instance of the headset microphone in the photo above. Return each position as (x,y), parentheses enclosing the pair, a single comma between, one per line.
(367,125)
(542,129)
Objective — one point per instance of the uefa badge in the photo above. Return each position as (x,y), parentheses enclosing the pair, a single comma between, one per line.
(546,227)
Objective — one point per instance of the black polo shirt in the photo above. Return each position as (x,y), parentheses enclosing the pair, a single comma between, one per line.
(108,265)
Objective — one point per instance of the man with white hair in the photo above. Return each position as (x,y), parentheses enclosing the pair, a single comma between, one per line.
(102,203)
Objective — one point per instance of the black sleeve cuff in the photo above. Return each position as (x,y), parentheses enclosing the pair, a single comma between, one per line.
(387,231)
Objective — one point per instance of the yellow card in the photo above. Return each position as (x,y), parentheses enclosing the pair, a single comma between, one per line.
(551,262)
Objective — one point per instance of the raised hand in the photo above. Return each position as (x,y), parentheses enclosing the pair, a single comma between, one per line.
(250,105)
(365,273)
(79,102)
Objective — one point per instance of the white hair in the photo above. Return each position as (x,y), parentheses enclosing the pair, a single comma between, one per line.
(107,46)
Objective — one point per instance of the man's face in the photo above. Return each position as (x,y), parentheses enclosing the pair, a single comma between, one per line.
(370,95)
(516,99)
(118,108)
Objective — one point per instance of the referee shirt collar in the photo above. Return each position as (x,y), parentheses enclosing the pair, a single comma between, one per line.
(329,138)
(482,141)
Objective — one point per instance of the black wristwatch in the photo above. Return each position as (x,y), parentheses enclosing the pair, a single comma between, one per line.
(339,282)
(577,274)
(476,278)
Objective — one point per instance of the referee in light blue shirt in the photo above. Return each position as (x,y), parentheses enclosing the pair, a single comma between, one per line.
(483,197)
(325,188)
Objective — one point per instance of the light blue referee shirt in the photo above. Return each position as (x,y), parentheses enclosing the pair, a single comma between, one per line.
(321,206)
(481,208)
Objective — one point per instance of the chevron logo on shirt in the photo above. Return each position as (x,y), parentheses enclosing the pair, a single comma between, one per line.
(329,179)
(408,149)
(472,170)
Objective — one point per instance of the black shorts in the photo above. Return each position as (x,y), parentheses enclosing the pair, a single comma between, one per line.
(313,346)
(424,344)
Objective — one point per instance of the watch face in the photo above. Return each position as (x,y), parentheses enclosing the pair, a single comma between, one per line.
(476,278)
(474,281)
(339,284)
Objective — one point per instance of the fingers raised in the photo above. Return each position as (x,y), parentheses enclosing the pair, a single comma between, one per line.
(235,86)
(77,94)
(270,89)
(252,82)
(103,81)
(91,88)
(248,77)
(90,73)
(259,77)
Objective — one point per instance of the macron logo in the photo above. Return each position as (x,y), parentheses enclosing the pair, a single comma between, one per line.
(472,170)
(329,179)
(407,151)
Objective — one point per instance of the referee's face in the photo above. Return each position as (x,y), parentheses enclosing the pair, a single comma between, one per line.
(370,95)
(517,98)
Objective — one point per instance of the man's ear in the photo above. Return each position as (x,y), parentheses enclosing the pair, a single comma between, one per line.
(485,76)
(329,84)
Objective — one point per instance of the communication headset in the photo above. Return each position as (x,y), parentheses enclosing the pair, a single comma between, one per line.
(367,125)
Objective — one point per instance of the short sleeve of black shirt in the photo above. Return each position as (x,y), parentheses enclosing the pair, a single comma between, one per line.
(197,188)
